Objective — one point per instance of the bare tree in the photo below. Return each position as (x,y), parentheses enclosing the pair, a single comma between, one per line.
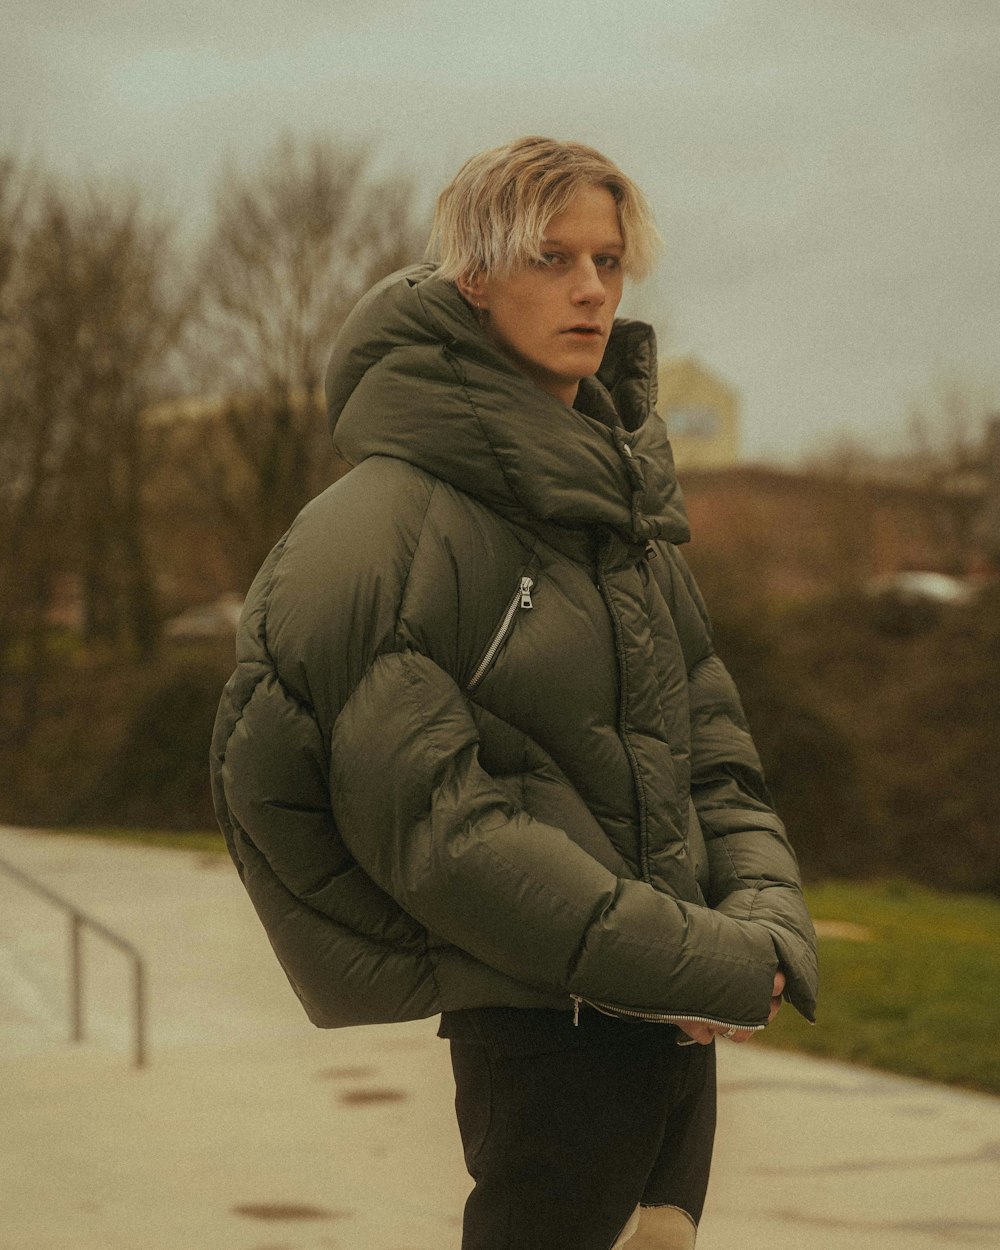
(295,243)
(945,426)
(26,495)
(949,450)
(16,501)
(93,322)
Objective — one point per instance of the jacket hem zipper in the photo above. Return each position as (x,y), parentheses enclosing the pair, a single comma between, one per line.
(520,600)
(656,1017)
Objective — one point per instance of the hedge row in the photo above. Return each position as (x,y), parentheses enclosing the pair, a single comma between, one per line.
(877,733)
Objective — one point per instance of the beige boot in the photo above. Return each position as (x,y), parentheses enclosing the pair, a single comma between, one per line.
(659,1228)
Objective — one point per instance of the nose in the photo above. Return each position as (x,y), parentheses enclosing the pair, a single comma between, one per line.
(588,288)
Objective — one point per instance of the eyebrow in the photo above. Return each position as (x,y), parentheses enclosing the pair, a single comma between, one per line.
(618,245)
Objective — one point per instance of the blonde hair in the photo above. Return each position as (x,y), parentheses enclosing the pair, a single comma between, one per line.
(493,214)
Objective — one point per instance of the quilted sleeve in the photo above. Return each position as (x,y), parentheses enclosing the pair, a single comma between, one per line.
(436,833)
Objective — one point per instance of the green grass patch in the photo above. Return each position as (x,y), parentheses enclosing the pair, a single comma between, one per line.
(920,997)
(173,838)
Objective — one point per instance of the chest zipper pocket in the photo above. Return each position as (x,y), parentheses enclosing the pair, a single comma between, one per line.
(520,602)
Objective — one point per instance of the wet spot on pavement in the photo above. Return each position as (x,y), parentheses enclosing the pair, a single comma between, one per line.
(288,1211)
(806,1087)
(209,859)
(359,1097)
(957,1232)
(923,1111)
(988,1152)
(407,1043)
(344,1074)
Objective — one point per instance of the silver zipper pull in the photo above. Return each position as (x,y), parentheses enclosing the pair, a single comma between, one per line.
(627,450)
(526,585)
(576,1010)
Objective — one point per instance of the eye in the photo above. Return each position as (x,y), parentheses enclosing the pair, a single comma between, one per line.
(608,262)
(549,259)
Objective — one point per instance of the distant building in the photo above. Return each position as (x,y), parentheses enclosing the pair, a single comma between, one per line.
(701,412)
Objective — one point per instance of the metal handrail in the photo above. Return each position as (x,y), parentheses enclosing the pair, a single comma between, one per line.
(79,920)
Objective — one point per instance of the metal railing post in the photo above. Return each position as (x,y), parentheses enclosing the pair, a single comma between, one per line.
(76,976)
(140,1013)
(79,920)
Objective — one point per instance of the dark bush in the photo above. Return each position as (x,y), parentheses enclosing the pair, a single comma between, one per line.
(938,734)
(878,746)
(922,711)
(120,742)
(810,764)
(158,775)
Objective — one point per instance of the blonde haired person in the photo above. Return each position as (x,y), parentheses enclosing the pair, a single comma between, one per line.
(493,216)
(479,757)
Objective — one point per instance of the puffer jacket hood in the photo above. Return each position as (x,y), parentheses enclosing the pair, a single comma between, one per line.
(478,749)
(481,425)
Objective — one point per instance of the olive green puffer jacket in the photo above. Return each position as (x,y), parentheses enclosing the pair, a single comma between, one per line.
(478,749)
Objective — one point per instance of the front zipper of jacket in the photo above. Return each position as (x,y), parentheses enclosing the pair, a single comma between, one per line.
(520,601)
(656,1017)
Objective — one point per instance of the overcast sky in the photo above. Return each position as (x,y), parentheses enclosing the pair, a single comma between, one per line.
(826,172)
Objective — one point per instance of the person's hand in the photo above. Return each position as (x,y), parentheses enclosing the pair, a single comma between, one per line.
(741,1035)
(776,992)
(697,1032)
(705,1034)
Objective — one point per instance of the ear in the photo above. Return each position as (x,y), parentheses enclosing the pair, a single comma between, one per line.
(473,288)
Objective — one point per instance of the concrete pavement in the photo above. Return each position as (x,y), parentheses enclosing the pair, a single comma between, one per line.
(250,1130)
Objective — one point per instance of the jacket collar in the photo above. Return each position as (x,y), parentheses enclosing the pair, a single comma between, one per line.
(413,376)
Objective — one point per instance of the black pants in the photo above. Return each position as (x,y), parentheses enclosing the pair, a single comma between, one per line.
(566,1131)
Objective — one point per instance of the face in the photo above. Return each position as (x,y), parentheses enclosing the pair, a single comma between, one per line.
(553,317)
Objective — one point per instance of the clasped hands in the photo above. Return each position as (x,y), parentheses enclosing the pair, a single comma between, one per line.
(705,1034)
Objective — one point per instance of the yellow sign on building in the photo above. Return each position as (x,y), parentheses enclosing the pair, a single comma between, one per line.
(702,415)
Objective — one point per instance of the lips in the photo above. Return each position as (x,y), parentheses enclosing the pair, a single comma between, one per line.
(585,330)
